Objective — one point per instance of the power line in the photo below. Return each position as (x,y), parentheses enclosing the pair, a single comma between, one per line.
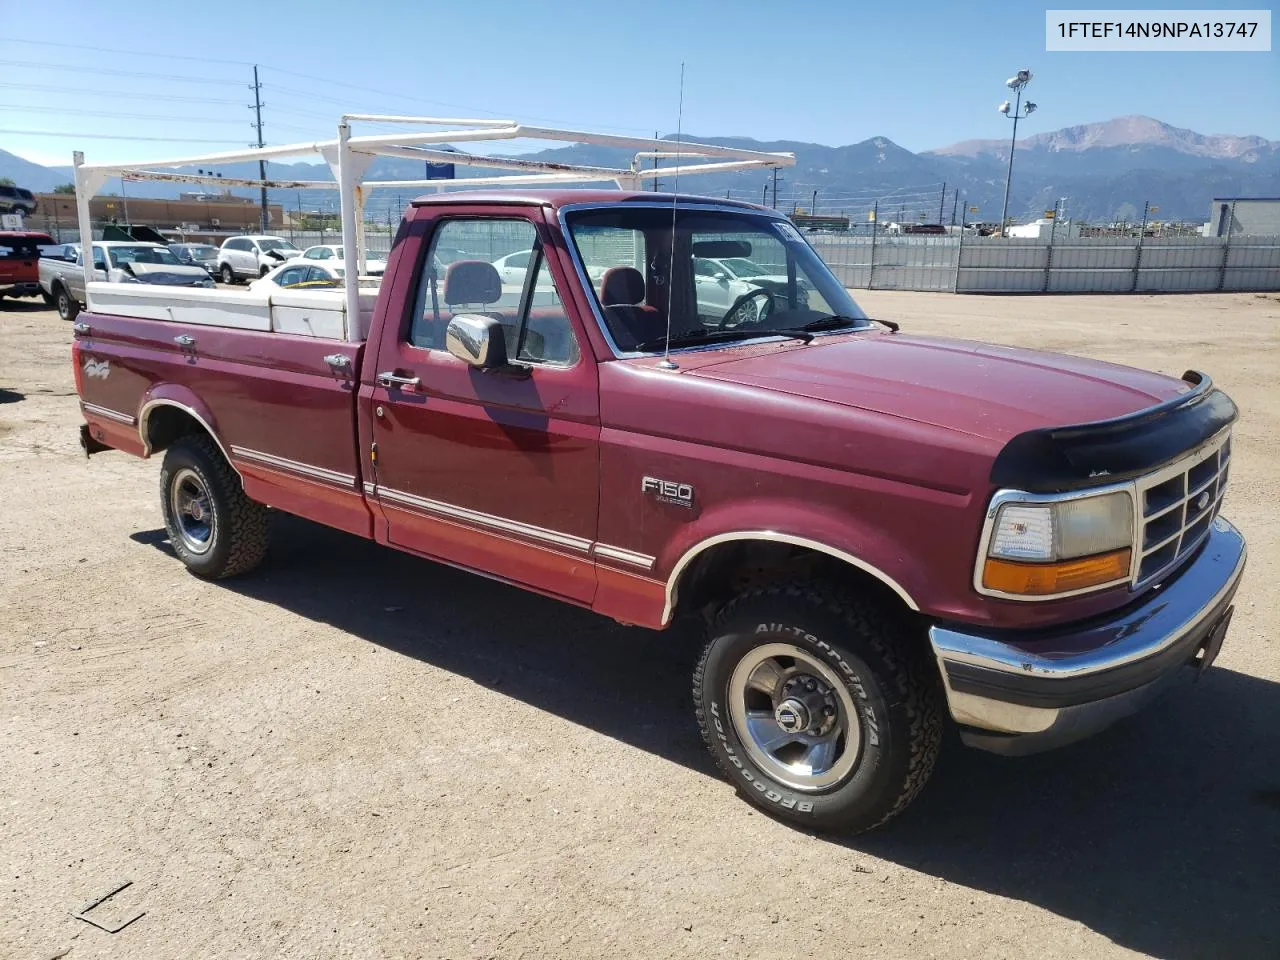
(81,91)
(110,136)
(119,116)
(71,68)
(129,53)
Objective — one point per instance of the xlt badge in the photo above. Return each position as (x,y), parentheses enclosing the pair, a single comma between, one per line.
(668,491)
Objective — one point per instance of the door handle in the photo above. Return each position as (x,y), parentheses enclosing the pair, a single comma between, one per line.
(389,379)
(186,340)
(82,328)
(338,360)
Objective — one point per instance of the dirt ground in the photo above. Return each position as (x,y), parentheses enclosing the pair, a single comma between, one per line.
(353,753)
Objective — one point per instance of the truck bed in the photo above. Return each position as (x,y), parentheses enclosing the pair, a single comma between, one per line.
(285,403)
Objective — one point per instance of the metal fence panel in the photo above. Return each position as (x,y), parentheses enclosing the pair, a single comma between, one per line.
(1252,278)
(1254,252)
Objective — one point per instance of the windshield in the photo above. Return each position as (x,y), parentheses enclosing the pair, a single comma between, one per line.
(122,255)
(202,251)
(271,243)
(627,256)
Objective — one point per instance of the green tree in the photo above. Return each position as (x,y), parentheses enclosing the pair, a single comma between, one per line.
(7,182)
(65,188)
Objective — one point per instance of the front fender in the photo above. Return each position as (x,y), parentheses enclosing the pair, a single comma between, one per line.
(848,538)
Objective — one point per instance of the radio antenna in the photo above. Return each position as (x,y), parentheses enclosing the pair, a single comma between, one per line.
(666,363)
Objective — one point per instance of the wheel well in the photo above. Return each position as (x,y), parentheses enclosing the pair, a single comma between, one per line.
(165,424)
(727,569)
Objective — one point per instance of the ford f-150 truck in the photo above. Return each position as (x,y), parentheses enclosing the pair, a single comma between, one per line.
(882,531)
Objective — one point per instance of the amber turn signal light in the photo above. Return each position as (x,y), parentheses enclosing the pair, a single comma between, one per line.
(1045,579)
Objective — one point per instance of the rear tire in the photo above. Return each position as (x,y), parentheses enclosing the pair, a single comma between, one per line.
(818,707)
(213,527)
(67,306)
(227,274)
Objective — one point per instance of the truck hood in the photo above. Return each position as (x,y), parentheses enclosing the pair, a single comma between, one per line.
(986,391)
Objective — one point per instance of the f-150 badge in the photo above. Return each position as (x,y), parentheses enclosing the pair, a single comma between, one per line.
(668,491)
(97,368)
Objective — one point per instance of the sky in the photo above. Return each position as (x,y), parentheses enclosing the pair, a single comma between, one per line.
(173,79)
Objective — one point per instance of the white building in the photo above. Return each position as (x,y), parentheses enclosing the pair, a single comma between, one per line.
(1257,216)
(1043,229)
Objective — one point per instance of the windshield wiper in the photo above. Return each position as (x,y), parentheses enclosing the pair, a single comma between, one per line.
(832,322)
(691,337)
(836,320)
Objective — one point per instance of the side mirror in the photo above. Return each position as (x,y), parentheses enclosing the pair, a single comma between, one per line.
(721,276)
(476,340)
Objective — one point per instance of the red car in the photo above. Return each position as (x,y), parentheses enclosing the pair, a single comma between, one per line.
(883,532)
(20,262)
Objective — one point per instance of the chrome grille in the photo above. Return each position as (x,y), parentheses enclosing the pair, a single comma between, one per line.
(1178,503)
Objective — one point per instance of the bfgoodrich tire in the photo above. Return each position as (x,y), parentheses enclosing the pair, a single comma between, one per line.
(817,707)
(213,527)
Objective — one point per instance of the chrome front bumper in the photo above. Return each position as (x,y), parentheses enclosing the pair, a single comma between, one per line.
(1024,692)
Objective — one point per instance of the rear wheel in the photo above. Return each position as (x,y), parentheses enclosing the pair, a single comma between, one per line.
(818,707)
(227,274)
(213,527)
(66,303)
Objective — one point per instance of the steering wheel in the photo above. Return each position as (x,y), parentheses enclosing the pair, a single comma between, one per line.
(744,310)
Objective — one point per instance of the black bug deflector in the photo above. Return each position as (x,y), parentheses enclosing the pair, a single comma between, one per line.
(1054,459)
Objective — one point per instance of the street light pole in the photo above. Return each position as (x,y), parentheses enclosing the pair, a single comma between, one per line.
(1016,84)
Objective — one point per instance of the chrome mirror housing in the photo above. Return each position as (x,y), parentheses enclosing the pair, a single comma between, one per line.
(477,340)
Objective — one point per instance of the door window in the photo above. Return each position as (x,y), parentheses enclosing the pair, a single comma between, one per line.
(292,277)
(531,311)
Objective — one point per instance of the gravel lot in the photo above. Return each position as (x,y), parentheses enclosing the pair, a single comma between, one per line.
(354,753)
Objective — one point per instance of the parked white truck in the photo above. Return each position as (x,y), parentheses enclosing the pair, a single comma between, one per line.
(116,261)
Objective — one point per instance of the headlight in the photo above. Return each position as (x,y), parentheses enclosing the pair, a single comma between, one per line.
(1047,549)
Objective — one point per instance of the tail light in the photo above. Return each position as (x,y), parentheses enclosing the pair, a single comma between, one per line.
(75,363)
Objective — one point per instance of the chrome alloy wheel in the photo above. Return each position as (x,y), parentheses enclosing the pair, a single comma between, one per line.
(749,312)
(794,716)
(192,510)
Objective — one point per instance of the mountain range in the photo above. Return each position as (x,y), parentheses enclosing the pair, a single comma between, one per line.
(1106,170)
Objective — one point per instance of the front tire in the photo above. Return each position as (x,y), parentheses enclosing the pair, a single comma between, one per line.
(818,707)
(228,275)
(213,527)
(66,304)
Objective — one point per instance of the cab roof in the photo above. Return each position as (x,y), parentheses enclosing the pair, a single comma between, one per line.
(564,197)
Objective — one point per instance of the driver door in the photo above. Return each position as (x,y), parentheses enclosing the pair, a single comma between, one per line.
(495,471)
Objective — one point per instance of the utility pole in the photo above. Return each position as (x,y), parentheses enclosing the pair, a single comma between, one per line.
(942,203)
(775,188)
(262,164)
(813,206)
(955,201)
(655,161)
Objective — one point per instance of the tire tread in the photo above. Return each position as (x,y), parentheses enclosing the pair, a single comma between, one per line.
(906,674)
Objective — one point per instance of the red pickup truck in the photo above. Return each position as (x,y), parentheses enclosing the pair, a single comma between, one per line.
(881,530)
